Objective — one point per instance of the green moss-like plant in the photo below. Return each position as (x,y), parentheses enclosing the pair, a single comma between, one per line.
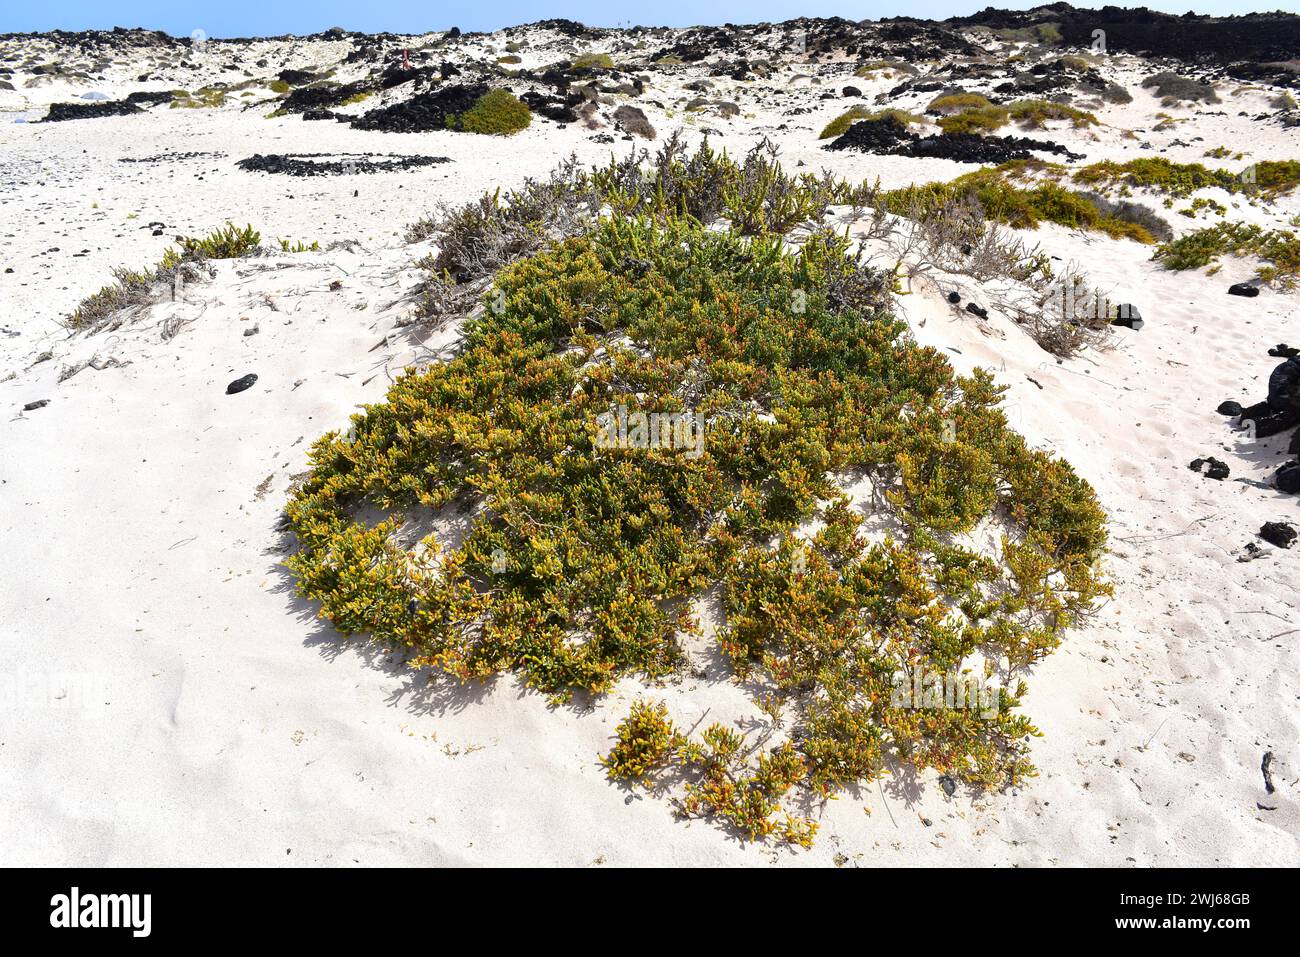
(497,112)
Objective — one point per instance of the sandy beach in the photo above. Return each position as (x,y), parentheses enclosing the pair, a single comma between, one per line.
(170,700)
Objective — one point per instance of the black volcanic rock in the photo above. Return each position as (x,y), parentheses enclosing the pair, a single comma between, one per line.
(1254,37)
(329,164)
(423,112)
(890,136)
(86,111)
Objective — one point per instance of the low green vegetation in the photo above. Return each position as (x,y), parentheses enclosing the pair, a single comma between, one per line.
(598,61)
(226,242)
(1036,113)
(783,375)
(1020,207)
(1279,249)
(496,113)
(206,98)
(841,123)
(132,288)
(973,113)
(1267,177)
(1048,34)
(1175,90)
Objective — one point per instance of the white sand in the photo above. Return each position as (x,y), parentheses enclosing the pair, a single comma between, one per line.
(169,701)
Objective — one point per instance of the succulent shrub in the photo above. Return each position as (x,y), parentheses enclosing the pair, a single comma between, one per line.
(583,562)
(598,61)
(1267,177)
(497,112)
(645,741)
(226,242)
(841,123)
(1035,113)
(1278,248)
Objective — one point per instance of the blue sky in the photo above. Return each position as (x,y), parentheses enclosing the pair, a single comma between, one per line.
(228,18)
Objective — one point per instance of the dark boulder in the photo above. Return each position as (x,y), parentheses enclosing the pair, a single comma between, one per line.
(242,383)
(1210,467)
(1281,534)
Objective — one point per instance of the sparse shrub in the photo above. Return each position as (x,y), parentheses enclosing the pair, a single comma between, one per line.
(1270,177)
(957,102)
(633,120)
(1114,93)
(979,120)
(1278,248)
(226,242)
(1174,89)
(837,126)
(581,562)
(206,98)
(132,288)
(1048,34)
(497,112)
(596,61)
(1158,173)
(1021,208)
(1152,227)
(129,288)
(1036,113)
(646,741)
(841,123)
(510,58)
(968,113)
(1283,101)
(299,246)
(280,86)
